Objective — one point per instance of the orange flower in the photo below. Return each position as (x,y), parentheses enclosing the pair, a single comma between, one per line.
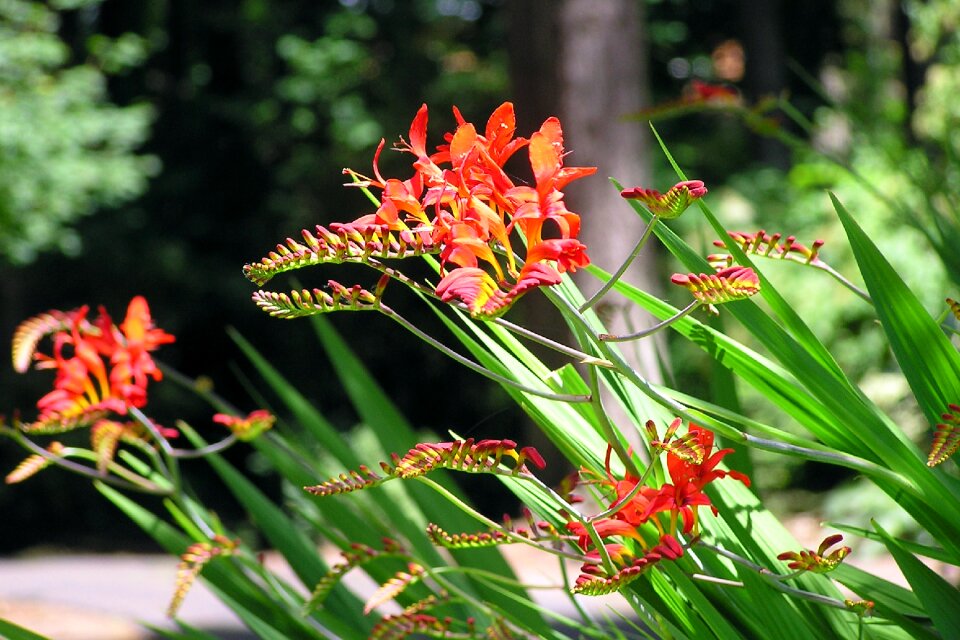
(101,368)
(470,207)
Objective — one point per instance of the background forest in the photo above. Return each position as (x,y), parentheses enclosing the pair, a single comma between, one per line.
(150,148)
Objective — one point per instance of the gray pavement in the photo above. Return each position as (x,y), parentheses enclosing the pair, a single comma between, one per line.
(105,597)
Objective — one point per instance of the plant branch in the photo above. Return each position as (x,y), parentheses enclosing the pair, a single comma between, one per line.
(623,267)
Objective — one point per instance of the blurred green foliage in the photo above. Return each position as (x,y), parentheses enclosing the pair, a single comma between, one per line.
(65,148)
(253,108)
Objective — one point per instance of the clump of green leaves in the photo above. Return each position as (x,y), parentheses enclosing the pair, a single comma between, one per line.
(65,148)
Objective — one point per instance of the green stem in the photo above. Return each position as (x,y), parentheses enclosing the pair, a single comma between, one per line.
(580,356)
(773,579)
(470,364)
(619,504)
(623,267)
(606,426)
(166,450)
(476,515)
(649,331)
(122,478)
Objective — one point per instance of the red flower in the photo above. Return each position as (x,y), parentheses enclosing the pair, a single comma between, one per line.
(101,368)
(470,207)
(690,478)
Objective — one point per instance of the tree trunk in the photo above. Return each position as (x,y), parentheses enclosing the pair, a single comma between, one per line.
(585,61)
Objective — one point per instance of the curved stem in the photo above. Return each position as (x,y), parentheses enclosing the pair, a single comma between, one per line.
(216,447)
(170,460)
(470,364)
(609,431)
(649,331)
(476,515)
(773,579)
(583,358)
(843,280)
(623,267)
(122,478)
(619,504)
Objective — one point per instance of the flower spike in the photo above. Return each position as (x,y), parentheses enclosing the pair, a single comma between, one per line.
(592,581)
(946,439)
(726,285)
(353,557)
(767,246)
(33,464)
(818,561)
(356,243)
(394,586)
(29,333)
(192,562)
(671,204)
(470,456)
(306,303)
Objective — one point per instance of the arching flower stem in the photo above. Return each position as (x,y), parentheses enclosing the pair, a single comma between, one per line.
(773,579)
(430,292)
(580,356)
(476,515)
(166,449)
(470,364)
(649,331)
(623,267)
(619,504)
(122,478)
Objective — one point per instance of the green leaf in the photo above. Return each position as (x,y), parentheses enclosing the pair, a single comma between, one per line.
(259,610)
(11,631)
(929,362)
(940,599)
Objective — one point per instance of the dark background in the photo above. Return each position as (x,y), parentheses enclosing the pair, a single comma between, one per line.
(258,106)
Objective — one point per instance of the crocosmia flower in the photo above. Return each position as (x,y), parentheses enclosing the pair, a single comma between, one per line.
(101,368)
(495,239)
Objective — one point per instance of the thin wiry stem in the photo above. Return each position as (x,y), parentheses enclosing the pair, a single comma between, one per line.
(619,504)
(649,331)
(122,478)
(470,364)
(515,537)
(583,358)
(166,449)
(609,431)
(623,267)
(773,579)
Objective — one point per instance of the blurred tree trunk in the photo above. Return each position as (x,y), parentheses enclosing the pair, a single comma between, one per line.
(766,66)
(586,62)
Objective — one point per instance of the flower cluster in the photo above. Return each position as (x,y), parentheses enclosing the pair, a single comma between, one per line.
(101,368)
(470,206)
(102,371)
(691,468)
(495,239)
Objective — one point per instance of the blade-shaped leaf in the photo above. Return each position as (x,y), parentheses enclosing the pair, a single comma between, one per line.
(929,362)
(939,598)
